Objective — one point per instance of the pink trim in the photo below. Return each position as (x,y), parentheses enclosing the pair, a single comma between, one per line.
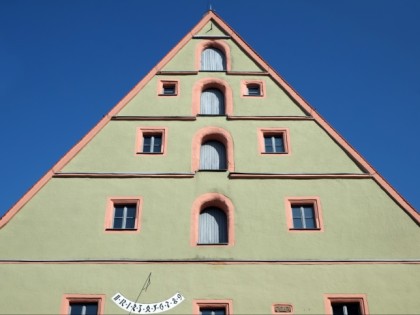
(302,176)
(212,133)
(149,118)
(275,306)
(163,83)
(270,118)
(124,175)
(109,214)
(222,304)
(212,200)
(360,298)
(246,83)
(149,131)
(284,132)
(218,44)
(211,16)
(69,298)
(315,201)
(207,83)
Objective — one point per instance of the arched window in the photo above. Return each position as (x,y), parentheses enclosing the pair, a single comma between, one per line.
(212,102)
(212,220)
(213,59)
(213,156)
(212,226)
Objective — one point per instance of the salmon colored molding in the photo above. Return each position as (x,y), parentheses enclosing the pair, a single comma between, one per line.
(219,44)
(68,298)
(207,83)
(315,201)
(246,83)
(109,214)
(220,304)
(142,131)
(212,200)
(212,133)
(284,132)
(163,83)
(359,298)
(212,16)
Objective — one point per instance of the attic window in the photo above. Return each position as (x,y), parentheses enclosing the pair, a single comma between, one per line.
(252,88)
(151,141)
(304,214)
(274,141)
(346,304)
(168,88)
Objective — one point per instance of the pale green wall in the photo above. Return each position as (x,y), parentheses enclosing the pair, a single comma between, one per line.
(66,220)
(252,288)
(312,150)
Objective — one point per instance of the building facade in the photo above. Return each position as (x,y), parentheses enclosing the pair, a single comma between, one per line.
(212,187)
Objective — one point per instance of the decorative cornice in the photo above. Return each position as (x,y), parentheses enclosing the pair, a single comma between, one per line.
(123,175)
(181,118)
(237,175)
(270,118)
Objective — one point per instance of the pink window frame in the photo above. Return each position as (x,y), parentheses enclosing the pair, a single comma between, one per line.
(284,132)
(109,214)
(212,133)
(69,298)
(218,44)
(342,298)
(207,83)
(162,83)
(312,200)
(221,304)
(142,131)
(246,83)
(212,200)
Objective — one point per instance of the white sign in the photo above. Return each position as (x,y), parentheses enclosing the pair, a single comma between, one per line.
(143,308)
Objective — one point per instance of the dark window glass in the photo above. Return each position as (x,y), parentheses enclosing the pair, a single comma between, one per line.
(152,143)
(254,90)
(169,89)
(212,311)
(303,217)
(83,308)
(350,308)
(124,216)
(274,144)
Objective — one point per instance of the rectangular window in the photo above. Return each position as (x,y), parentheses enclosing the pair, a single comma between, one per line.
(83,308)
(303,217)
(82,304)
(123,214)
(212,311)
(274,143)
(151,141)
(252,88)
(212,307)
(346,304)
(168,88)
(303,214)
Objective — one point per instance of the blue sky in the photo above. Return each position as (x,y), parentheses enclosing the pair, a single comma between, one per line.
(65,64)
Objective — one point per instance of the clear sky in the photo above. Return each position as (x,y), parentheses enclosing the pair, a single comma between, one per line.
(65,64)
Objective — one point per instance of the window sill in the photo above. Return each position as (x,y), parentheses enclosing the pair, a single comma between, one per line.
(212,244)
(274,153)
(120,230)
(160,94)
(150,153)
(315,229)
(219,171)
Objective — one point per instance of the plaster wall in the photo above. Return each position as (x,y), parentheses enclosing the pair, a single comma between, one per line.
(252,288)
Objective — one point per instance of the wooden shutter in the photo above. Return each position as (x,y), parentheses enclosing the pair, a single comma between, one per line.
(213,227)
(213,59)
(213,156)
(212,102)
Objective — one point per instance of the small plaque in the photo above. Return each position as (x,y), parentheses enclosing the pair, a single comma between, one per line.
(283,308)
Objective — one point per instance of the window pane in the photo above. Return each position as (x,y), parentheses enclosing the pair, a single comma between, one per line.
(84,308)
(131,211)
(169,89)
(119,211)
(268,144)
(213,59)
(254,90)
(130,223)
(147,140)
(278,140)
(209,311)
(213,226)
(118,223)
(349,308)
(157,147)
